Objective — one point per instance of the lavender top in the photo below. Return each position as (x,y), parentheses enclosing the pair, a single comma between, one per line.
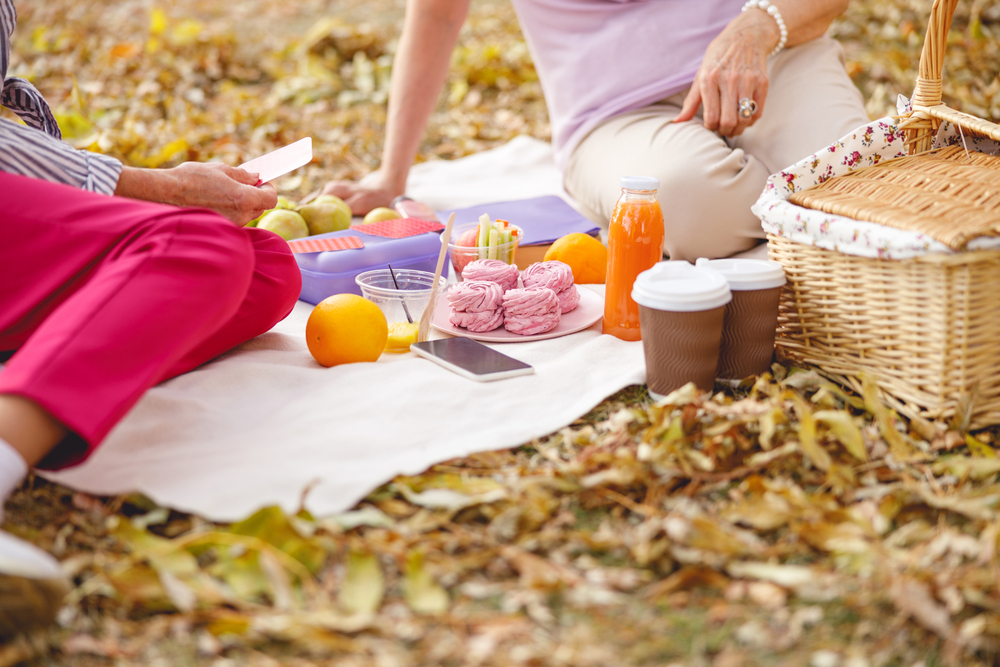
(598,58)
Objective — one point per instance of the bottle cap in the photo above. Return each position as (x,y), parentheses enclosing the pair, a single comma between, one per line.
(680,287)
(746,274)
(640,183)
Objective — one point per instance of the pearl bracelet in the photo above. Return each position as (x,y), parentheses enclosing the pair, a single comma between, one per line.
(776,15)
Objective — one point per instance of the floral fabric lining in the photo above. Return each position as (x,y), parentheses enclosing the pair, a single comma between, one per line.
(867,146)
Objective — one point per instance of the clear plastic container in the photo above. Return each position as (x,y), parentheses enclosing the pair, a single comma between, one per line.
(414,292)
(461,255)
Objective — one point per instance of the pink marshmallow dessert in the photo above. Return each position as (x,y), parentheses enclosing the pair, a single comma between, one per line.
(493,270)
(531,311)
(556,276)
(476,305)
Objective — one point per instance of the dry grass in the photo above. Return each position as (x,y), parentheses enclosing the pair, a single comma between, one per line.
(779,523)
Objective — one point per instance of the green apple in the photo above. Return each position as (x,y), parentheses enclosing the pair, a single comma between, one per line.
(289,225)
(379,214)
(285,203)
(325,214)
(334,199)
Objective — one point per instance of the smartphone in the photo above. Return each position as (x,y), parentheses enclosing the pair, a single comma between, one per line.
(411,208)
(471,359)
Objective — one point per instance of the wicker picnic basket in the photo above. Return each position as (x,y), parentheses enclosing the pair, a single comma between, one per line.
(926,328)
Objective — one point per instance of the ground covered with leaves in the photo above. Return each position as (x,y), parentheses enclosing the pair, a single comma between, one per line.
(780,522)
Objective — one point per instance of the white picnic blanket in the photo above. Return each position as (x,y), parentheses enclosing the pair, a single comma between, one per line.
(264,423)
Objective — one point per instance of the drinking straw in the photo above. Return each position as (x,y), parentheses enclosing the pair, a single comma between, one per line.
(405,309)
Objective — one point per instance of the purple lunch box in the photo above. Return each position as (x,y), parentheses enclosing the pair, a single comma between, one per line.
(327,273)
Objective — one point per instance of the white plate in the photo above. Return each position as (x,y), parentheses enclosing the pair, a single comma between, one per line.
(588,311)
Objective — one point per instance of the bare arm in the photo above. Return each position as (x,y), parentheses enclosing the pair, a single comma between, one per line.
(808,20)
(224,189)
(419,70)
(735,64)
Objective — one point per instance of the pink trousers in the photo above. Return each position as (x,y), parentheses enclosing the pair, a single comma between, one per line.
(103,297)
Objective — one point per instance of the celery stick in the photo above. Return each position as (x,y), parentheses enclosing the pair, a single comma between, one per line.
(484,232)
(498,228)
(504,253)
(494,239)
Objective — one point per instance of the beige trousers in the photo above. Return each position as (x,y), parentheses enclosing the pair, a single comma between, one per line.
(708,182)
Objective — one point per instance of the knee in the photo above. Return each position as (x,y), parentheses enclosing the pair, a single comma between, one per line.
(277,280)
(706,211)
(213,255)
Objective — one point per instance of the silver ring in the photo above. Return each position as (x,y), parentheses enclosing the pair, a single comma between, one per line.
(747,107)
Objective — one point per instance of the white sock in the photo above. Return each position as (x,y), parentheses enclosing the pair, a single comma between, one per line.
(13,469)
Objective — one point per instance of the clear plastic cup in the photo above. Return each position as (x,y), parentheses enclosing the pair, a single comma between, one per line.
(414,292)
(460,256)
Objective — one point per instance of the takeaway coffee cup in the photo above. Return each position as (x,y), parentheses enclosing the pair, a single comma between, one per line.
(751,317)
(681,309)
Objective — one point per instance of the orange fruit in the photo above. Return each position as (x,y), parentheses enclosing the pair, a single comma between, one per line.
(586,255)
(344,329)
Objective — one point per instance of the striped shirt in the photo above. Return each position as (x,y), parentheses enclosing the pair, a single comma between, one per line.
(38,150)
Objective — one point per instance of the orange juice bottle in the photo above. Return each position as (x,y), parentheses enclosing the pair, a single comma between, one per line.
(635,243)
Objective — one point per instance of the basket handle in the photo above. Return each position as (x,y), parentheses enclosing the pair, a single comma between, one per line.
(927,108)
(927,92)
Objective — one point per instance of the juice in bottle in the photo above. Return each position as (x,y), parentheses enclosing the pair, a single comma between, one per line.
(635,243)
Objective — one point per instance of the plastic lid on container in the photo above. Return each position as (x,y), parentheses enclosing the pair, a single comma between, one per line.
(746,274)
(640,183)
(679,286)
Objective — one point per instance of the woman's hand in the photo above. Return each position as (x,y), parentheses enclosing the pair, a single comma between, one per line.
(362,196)
(734,68)
(735,64)
(226,190)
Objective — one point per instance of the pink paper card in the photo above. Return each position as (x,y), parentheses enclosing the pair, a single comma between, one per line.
(326,244)
(280,162)
(399,228)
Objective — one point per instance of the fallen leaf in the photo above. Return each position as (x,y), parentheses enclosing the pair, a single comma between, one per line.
(842,426)
(898,447)
(364,585)
(913,597)
(447,499)
(366,516)
(807,436)
(179,593)
(964,466)
(422,594)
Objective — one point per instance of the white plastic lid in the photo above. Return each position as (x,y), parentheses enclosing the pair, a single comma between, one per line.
(640,183)
(680,287)
(746,274)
